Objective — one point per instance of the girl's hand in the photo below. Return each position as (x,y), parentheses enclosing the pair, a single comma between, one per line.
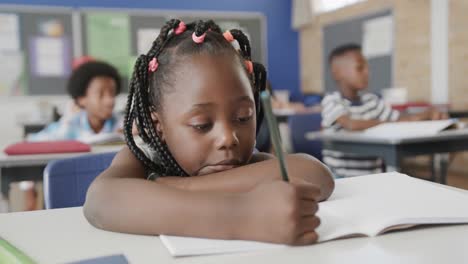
(281,212)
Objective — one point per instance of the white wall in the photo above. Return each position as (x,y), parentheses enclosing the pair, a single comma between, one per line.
(439,52)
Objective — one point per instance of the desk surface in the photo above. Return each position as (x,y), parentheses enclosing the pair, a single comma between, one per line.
(63,235)
(43,159)
(359,137)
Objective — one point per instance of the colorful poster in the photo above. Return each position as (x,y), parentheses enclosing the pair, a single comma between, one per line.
(108,38)
(145,39)
(50,56)
(9,32)
(131,66)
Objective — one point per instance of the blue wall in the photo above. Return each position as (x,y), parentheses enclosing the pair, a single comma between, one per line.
(283,58)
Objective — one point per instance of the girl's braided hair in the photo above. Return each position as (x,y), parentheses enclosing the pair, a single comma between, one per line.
(175,41)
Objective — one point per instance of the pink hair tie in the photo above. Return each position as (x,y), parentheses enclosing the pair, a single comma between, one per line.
(180,28)
(228,36)
(199,39)
(153,65)
(249,66)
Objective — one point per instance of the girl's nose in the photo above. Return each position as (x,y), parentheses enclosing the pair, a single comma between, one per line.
(227,138)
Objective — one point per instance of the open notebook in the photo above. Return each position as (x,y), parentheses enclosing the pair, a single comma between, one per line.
(397,130)
(360,206)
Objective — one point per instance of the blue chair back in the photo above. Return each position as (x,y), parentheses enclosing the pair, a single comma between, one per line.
(300,125)
(66,181)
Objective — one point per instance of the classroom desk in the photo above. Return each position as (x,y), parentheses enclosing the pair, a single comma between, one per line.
(64,235)
(27,167)
(394,150)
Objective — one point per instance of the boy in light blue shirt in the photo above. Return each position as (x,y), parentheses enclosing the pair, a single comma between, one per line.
(93,87)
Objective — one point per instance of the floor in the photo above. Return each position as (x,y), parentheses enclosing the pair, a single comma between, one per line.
(459,180)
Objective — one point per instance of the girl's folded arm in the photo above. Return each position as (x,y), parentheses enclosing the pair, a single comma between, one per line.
(263,167)
(122,200)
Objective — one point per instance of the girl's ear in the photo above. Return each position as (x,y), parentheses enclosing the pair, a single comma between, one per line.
(158,125)
(81,101)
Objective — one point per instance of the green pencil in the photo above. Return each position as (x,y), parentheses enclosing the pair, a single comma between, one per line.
(274,132)
(10,254)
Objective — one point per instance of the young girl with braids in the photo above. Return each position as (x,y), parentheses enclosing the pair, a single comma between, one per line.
(192,170)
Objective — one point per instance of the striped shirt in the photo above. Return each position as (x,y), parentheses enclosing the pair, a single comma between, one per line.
(368,107)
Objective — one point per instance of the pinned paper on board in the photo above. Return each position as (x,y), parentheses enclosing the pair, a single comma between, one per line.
(378,37)
(108,38)
(11,73)
(145,39)
(9,32)
(12,59)
(50,56)
(51,28)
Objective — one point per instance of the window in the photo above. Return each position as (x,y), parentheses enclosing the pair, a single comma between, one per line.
(322,6)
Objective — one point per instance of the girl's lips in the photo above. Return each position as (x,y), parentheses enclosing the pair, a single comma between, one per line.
(216,168)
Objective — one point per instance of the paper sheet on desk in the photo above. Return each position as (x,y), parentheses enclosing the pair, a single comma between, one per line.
(359,206)
(396,130)
(191,246)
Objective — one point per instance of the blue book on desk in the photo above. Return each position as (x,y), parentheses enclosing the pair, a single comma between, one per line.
(399,130)
(113,259)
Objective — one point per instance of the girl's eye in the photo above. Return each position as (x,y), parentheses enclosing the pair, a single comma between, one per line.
(244,119)
(202,127)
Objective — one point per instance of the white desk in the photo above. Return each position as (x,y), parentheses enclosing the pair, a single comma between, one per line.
(394,150)
(64,235)
(7,161)
(21,167)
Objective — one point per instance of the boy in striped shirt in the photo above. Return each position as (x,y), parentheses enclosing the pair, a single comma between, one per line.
(351,108)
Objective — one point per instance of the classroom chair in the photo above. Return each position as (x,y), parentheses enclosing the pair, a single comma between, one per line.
(66,181)
(300,125)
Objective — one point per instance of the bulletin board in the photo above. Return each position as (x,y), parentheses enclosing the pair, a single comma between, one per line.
(135,30)
(36,50)
(374,32)
(39,43)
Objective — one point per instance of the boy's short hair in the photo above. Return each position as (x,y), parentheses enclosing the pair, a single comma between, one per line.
(81,77)
(343,49)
